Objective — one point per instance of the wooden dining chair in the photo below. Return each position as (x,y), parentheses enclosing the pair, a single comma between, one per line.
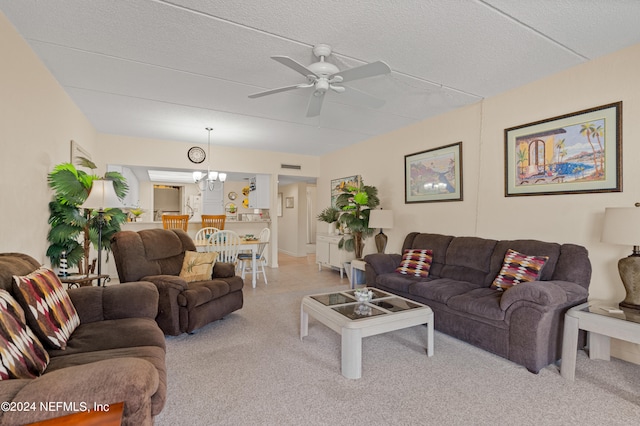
(180,221)
(213,221)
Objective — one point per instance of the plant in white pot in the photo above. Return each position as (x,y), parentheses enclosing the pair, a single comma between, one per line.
(330,215)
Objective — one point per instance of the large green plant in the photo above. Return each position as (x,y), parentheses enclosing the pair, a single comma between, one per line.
(73,229)
(355,204)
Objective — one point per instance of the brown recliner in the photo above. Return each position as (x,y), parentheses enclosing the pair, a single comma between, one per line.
(156,255)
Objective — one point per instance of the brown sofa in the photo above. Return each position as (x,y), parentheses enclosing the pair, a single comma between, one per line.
(116,354)
(523,324)
(156,255)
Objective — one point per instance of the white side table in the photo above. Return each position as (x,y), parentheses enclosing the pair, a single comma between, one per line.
(602,326)
(356,265)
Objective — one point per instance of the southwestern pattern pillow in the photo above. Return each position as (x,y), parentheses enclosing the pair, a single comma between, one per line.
(21,353)
(518,268)
(47,306)
(198,266)
(416,262)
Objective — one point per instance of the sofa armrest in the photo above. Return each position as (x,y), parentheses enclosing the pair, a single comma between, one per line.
(382,263)
(128,300)
(224,270)
(131,380)
(547,293)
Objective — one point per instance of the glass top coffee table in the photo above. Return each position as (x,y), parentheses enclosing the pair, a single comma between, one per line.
(353,320)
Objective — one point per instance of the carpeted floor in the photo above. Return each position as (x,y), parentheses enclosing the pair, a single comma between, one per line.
(252,369)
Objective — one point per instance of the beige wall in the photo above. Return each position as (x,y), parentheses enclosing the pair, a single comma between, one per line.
(37,122)
(292,225)
(485,211)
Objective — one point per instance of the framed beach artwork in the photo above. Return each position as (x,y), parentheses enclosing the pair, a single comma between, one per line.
(574,153)
(434,175)
(338,185)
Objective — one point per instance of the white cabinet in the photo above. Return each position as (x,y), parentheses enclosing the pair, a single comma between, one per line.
(328,253)
(213,201)
(260,192)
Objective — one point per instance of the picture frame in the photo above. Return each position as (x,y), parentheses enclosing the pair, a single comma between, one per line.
(575,153)
(337,186)
(77,152)
(434,175)
(288,202)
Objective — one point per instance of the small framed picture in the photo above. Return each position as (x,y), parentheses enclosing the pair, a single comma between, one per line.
(288,202)
(433,175)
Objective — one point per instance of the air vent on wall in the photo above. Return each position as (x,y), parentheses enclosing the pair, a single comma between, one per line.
(291,166)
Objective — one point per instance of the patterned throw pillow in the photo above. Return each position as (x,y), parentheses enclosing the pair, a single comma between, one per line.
(416,262)
(47,305)
(21,353)
(518,268)
(198,266)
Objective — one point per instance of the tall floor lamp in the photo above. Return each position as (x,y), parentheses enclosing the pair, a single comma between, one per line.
(102,195)
(381,219)
(622,226)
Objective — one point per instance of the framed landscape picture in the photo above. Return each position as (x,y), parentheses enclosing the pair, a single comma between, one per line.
(434,175)
(338,185)
(574,153)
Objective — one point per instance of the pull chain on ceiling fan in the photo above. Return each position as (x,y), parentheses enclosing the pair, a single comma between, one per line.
(323,76)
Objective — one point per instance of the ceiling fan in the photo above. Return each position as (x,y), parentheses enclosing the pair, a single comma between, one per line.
(323,76)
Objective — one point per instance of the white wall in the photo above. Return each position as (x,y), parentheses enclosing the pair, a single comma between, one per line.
(485,211)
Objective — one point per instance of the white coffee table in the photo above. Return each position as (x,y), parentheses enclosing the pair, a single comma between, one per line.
(353,320)
(601,325)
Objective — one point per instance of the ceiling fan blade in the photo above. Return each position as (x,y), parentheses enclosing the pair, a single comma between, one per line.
(296,66)
(278,90)
(363,71)
(315,105)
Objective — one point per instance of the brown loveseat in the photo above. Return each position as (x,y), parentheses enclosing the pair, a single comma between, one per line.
(523,323)
(116,354)
(156,255)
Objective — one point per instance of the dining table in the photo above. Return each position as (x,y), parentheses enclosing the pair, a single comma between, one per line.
(245,244)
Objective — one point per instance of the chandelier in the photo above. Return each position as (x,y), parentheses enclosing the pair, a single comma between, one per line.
(209,179)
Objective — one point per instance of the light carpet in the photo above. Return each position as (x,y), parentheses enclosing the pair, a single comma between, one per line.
(252,369)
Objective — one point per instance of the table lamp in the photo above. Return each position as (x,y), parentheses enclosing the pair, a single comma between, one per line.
(102,195)
(381,219)
(622,226)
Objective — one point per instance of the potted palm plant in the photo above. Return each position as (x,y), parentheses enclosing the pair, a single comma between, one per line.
(74,230)
(329,215)
(355,203)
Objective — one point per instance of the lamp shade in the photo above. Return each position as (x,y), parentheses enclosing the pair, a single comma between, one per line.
(621,226)
(102,196)
(381,219)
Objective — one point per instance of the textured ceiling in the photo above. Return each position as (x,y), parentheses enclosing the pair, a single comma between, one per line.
(166,70)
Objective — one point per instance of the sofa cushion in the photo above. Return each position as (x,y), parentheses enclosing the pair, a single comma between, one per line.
(416,262)
(112,334)
(21,353)
(482,302)
(397,282)
(441,290)
(468,259)
(518,268)
(47,306)
(436,242)
(198,266)
(201,292)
